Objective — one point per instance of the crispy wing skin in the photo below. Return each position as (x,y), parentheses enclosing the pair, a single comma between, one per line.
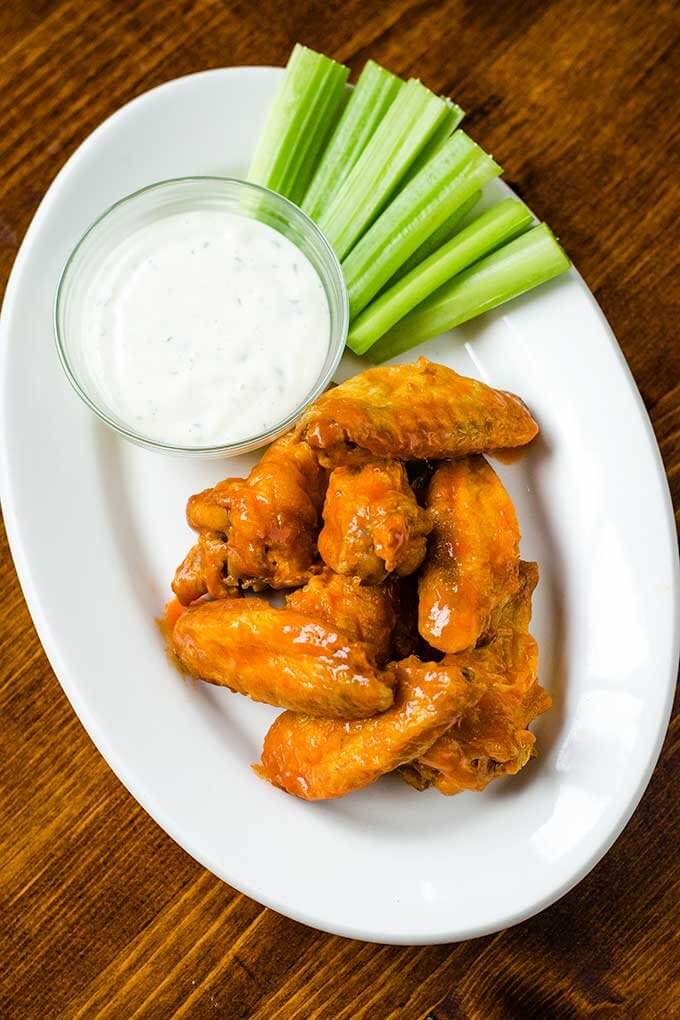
(420,411)
(209,511)
(281,657)
(189,582)
(204,571)
(372,522)
(318,759)
(365,613)
(492,738)
(343,456)
(261,531)
(473,556)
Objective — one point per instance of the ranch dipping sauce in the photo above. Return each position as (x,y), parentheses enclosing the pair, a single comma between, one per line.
(204,328)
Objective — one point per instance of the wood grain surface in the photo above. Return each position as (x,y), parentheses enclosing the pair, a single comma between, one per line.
(101,913)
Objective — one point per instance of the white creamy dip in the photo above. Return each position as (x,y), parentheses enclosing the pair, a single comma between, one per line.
(204,328)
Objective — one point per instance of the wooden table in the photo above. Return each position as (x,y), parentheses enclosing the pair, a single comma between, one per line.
(102,914)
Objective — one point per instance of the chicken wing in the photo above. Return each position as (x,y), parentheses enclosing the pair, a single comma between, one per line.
(318,759)
(204,570)
(372,522)
(491,739)
(281,657)
(421,411)
(190,582)
(365,613)
(261,531)
(473,556)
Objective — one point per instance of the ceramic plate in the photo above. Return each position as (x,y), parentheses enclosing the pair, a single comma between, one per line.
(96,527)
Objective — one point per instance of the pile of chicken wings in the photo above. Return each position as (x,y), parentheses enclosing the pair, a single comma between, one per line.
(404,642)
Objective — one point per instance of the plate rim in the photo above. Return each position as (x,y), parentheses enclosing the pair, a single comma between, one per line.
(69,685)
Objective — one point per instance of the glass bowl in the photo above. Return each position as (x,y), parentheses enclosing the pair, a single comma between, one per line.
(168,198)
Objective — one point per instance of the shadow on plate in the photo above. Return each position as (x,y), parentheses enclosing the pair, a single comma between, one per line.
(122,523)
(214,707)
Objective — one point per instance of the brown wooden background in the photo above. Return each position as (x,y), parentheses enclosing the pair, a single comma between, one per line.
(100,913)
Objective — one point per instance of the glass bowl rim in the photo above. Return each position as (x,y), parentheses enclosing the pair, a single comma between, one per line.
(242,445)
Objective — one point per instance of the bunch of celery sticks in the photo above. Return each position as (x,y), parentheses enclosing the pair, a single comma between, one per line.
(391,182)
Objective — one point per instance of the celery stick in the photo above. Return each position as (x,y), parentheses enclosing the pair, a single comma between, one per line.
(453,174)
(454,116)
(371,98)
(487,232)
(524,263)
(440,236)
(302,116)
(405,129)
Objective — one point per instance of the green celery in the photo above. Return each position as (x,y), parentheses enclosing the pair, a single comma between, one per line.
(517,267)
(440,236)
(406,128)
(374,93)
(487,232)
(454,173)
(302,116)
(453,118)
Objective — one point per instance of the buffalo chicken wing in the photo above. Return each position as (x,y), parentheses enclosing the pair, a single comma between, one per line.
(281,657)
(473,556)
(421,411)
(318,759)
(262,529)
(372,522)
(492,738)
